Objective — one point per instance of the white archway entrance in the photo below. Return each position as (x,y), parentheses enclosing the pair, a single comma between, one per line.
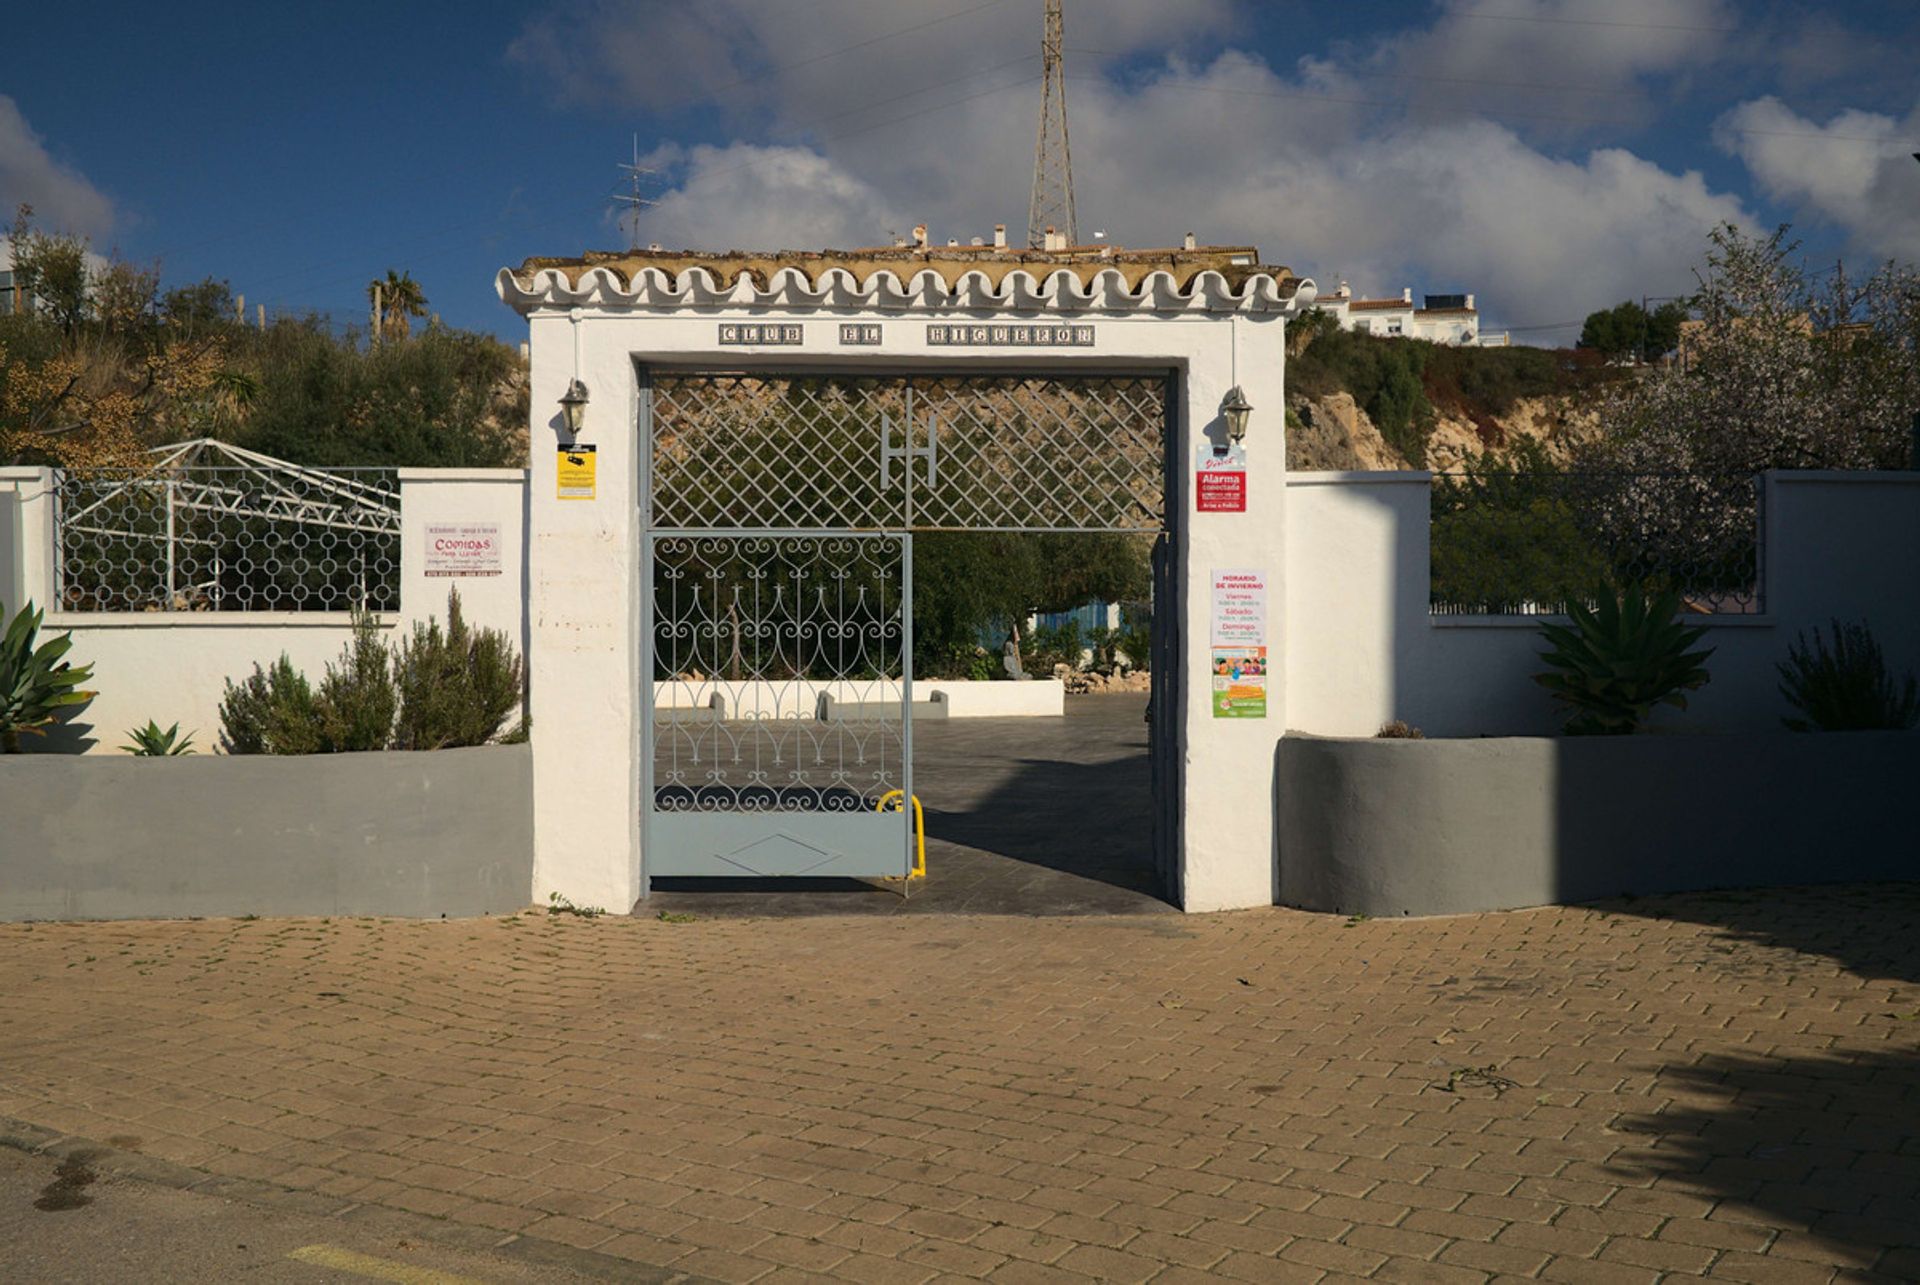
(793,421)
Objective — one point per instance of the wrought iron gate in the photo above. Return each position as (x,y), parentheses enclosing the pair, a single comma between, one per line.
(777,603)
(780,715)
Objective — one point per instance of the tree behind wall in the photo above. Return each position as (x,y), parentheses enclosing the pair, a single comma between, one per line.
(1630,331)
(1780,371)
(967,584)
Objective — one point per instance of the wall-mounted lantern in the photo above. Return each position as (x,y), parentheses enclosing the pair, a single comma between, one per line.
(573,407)
(1236,410)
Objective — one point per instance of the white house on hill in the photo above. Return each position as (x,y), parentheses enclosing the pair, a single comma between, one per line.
(1441,318)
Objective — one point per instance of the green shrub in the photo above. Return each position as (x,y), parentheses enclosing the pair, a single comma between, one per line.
(1491,380)
(456,687)
(358,698)
(1048,646)
(960,660)
(35,684)
(1619,659)
(272,711)
(1848,687)
(437,691)
(152,743)
(1105,643)
(1399,407)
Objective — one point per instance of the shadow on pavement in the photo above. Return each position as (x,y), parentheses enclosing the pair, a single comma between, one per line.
(1772,1139)
(1812,1142)
(1866,928)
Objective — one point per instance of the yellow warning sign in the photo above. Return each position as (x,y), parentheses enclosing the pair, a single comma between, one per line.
(575,475)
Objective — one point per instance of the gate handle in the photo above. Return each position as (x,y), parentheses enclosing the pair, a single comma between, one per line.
(891,802)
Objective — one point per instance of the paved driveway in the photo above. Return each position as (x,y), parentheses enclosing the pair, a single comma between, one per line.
(1025,816)
(1725,1085)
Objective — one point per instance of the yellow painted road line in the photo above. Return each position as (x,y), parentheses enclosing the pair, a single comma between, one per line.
(375,1269)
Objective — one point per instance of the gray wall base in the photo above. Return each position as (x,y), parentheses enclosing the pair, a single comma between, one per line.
(448,832)
(1389,827)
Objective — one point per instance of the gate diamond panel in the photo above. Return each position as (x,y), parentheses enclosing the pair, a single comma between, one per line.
(1036,452)
(974,452)
(779,452)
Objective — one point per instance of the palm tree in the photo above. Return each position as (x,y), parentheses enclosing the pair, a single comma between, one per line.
(396,300)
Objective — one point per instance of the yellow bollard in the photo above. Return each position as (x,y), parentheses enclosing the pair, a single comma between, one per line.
(890,802)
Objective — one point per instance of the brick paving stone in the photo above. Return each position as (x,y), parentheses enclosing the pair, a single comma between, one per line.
(1111,1264)
(1720,1084)
(1418,1271)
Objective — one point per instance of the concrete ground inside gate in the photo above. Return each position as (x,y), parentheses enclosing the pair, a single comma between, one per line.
(1025,816)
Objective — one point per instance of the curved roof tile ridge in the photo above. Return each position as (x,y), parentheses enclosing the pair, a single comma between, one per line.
(1208,279)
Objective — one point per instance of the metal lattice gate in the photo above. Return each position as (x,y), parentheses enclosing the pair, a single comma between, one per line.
(777,628)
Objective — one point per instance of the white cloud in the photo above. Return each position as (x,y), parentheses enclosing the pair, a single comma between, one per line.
(797,63)
(1557,59)
(1333,190)
(1856,171)
(62,199)
(767,198)
(1320,168)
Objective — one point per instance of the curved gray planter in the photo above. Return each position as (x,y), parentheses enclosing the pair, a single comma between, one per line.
(1389,827)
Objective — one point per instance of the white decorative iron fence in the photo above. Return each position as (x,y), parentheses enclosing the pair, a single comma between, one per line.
(211,527)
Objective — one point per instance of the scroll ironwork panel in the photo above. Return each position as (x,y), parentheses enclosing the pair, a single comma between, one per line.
(779,721)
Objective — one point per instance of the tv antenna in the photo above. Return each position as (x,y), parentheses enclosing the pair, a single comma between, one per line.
(1051,205)
(634,198)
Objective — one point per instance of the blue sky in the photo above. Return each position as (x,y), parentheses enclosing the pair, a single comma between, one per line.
(1552,156)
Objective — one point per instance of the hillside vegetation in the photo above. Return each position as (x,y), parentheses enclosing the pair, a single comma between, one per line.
(1765,365)
(1364,401)
(107,364)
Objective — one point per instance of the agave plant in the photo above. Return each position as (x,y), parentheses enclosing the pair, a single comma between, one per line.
(150,742)
(1620,658)
(1848,687)
(35,684)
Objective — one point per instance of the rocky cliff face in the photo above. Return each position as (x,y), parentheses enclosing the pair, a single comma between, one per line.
(1332,433)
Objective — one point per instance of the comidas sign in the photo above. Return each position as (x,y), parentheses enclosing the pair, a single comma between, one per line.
(463,548)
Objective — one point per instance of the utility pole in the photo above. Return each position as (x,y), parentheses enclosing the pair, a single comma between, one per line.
(1051,205)
(635,198)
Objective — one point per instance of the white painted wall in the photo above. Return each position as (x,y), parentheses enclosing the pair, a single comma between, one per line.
(964,698)
(173,667)
(1364,649)
(582,621)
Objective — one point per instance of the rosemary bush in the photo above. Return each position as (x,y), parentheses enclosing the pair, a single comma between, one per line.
(1846,687)
(456,687)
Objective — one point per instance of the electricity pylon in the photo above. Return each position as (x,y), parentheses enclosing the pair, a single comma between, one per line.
(1051,205)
